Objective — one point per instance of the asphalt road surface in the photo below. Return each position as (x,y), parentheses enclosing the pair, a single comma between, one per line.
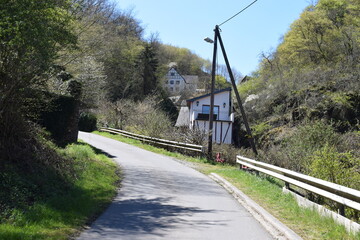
(161,198)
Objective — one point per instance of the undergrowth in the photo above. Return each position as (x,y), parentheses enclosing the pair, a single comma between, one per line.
(39,204)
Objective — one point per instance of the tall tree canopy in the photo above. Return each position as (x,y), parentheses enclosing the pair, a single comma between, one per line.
(31,34)
(327,33)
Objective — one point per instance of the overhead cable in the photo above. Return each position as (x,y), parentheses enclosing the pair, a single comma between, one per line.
(238,13)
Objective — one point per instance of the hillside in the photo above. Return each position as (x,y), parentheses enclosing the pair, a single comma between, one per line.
(304,100)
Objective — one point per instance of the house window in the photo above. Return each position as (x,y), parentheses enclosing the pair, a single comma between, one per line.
(206,110)
(172,82)
(172,74)
(177,82)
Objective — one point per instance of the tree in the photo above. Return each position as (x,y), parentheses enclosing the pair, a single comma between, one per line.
(147,66)
(326,33)
(221,82)
(31,34)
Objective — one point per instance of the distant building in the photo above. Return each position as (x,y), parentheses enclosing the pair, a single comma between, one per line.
(195,115)
(176,84)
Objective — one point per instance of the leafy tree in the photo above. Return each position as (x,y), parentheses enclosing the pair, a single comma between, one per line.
(31,34)
(326,33)
(221,82)
(119,67)
(187,62)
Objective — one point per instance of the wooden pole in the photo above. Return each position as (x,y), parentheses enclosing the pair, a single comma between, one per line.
(248,130)
(211,115)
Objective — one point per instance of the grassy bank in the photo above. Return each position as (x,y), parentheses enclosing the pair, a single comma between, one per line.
(265,191)
(67,203)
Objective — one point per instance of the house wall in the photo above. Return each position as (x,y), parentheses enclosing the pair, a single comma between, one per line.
(219,100)
(175,83)
(222,130)
(222,127)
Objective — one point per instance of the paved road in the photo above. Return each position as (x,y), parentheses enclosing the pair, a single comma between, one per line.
(161,198)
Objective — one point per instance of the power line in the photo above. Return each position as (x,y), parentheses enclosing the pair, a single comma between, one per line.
(238,12)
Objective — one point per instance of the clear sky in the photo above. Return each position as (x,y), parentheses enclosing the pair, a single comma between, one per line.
(185,23)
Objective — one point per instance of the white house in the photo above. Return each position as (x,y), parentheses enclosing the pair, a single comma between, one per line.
(198,114)
(175,83)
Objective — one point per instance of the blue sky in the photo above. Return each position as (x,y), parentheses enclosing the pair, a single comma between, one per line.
(185,23)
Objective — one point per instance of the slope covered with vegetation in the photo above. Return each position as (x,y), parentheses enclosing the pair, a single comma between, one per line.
(58,57)
(304,100)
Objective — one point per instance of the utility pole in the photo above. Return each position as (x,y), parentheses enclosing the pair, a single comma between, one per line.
(242,111)
(212,97)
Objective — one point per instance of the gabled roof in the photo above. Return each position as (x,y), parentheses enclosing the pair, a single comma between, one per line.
(207,95)
(177,73)
(191,79)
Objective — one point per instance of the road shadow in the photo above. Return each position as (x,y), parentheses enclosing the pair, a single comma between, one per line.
(97,150)
(146,216)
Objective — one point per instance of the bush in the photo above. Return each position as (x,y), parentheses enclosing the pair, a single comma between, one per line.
(227,153)
(87,122)
(193,136)
(340,168)
(307,139)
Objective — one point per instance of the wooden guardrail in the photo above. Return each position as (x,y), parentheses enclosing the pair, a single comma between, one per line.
(343,195)
(163,142)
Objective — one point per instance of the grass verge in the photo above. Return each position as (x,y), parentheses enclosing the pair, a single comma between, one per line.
(62,213)
(265,191)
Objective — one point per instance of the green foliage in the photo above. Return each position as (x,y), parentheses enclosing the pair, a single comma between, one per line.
(307,91)
(307,139)
(61,119)
(260,129)
(325,34)
(187,62)
(65,205)
(252,86)
(341,168)
(87,122)
(221,82)
(341,98)
(146,66)
(31,34)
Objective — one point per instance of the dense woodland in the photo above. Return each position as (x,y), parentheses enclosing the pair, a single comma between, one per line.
(87,56)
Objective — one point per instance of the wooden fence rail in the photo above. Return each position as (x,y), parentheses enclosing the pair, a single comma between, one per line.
(343,195)
(163,142)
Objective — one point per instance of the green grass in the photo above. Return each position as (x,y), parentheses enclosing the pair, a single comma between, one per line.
(267,192)
(61,215)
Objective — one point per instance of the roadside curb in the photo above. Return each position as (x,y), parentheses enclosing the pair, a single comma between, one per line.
(276,228)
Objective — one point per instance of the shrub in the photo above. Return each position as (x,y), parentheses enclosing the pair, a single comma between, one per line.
(227,152)
(307,139)
(148,119)
(185,134)
(87,122)
(259,130)
(340,168)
